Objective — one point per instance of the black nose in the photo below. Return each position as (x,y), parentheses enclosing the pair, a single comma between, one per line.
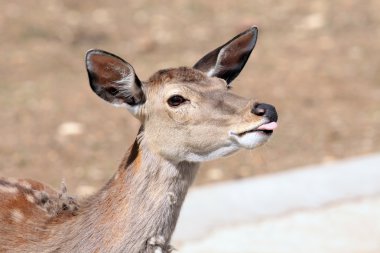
(266,110)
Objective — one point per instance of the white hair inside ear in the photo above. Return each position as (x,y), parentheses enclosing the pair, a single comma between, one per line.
(134,109)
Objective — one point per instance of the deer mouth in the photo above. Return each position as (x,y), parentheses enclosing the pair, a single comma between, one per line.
(253,137)
(266,128)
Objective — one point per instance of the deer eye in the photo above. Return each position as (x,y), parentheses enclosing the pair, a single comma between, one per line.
(176,100)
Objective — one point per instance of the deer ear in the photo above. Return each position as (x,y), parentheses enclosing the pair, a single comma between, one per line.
(113,79)
(228,60)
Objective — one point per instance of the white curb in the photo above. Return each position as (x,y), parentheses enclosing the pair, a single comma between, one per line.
(210,207)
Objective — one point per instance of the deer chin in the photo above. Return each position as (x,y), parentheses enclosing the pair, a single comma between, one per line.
(253,137)
(218,153)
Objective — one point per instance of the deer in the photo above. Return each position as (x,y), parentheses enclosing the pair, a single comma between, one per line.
(188,115)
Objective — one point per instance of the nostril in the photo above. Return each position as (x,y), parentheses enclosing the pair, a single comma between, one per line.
(258,109)
(267,110)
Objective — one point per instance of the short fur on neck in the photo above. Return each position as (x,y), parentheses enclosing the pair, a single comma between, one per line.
(136,211)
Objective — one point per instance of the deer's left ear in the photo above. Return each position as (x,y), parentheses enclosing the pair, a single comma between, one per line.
(228,60)
(114,79)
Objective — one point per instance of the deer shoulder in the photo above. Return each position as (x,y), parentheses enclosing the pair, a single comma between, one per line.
(27,201)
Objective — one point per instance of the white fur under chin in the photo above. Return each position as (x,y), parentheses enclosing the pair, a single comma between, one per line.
(250,140)
(223,151)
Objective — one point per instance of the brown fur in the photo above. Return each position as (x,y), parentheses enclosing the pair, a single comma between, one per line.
(177,75)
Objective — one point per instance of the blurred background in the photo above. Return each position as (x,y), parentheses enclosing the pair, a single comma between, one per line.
(318,61)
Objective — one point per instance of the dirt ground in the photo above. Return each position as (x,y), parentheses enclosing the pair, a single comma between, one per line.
(317,61)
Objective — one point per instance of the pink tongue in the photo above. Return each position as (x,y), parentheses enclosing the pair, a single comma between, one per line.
(269,126)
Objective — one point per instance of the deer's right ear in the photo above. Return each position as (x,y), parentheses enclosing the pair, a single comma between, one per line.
(113,79)
(228,60)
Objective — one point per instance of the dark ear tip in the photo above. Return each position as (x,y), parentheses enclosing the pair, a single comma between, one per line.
(88,56)
(94,51)
(254,30)
(91,52)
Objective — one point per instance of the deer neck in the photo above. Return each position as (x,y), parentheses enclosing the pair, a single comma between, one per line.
(138,208)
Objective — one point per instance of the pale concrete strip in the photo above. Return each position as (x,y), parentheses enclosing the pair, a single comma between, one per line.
(211,207)
(351,227)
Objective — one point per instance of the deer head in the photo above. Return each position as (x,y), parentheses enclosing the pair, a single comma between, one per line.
(188,114)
